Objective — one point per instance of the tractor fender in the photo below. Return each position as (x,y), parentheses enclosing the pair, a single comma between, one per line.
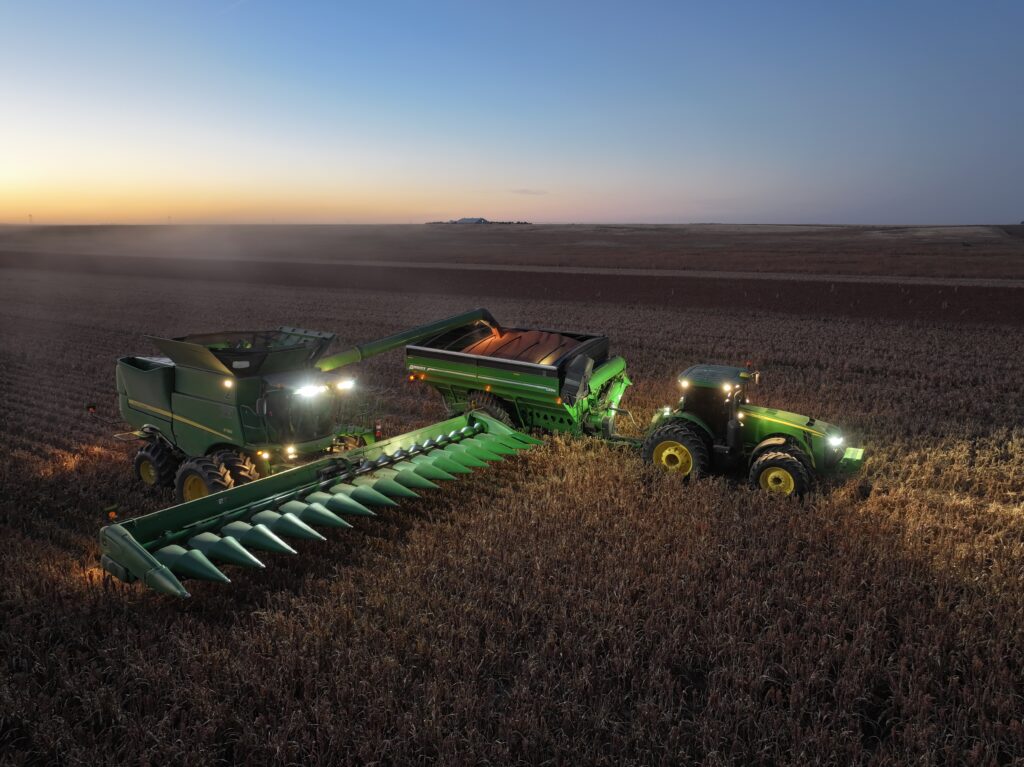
(702,428)
(777,441)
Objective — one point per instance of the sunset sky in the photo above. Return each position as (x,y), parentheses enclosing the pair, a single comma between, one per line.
(259,111)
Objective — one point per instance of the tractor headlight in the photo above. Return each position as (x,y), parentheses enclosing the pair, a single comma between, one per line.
(290,451)
(310,391)
(835,440)
(345,385)
(684,383)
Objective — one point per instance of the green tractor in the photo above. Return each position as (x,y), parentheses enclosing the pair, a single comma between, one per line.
(714,427)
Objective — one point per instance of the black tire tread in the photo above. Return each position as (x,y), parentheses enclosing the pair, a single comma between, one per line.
(494,407)
(240,466)
(216,476)
(685,435)
(164,459)
(785,459)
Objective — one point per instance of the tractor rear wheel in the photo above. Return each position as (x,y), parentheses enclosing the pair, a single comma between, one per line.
(156,463)
(199,477)
(676,448)
(494,407)
(780,472)
(239,466)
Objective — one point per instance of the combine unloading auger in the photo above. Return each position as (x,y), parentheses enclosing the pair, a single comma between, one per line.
(197,538)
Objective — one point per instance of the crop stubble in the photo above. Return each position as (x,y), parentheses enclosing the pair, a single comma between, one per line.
(569,605)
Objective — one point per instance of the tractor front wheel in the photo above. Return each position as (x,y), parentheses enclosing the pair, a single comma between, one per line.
(780,472)
(239,466)
(199,477)
(676,448)
(156,463)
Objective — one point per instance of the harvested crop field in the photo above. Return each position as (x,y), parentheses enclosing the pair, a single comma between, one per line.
(568,606)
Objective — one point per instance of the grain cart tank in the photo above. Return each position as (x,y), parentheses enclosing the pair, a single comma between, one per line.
(553,380)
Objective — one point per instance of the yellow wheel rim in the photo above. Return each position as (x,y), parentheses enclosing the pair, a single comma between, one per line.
(194,487)
(147,471)
(673,456)
(777,480)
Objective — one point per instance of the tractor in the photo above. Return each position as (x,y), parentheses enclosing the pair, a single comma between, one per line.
(714,427)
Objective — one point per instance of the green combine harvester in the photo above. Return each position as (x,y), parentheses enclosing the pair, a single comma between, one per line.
(250,429)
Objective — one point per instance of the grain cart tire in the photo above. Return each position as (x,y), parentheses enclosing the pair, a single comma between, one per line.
(676,448)
(494,407)
(780,472)
(156,464)
(239,466)
(199,477)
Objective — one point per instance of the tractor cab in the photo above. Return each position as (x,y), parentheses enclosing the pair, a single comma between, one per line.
(713,393)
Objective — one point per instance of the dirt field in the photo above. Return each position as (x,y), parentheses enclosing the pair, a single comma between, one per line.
(564,607)
(986,252)
(896,273)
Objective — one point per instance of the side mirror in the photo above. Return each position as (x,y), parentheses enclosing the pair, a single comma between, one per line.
(261,406)
(757,377)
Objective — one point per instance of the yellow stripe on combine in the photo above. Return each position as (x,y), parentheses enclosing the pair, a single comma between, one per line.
(784,423)
(171,416)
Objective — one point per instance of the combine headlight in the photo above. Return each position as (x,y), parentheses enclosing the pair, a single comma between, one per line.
(345,385)
(726,387)
(291,451)
(310,391)
(684,383)
(835,440)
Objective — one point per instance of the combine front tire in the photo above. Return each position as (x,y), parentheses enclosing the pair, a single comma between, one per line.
(199,477)
(239,466)
(156,463)
(677,449)
(780,472)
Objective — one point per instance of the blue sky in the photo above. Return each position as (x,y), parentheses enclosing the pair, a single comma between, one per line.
(900,112)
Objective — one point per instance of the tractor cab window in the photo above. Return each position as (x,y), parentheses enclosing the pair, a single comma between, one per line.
(710,405)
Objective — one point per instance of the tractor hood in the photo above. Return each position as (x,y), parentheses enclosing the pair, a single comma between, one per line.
(784,418)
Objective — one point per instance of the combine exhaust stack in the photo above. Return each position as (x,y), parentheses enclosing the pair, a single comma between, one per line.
(195,539)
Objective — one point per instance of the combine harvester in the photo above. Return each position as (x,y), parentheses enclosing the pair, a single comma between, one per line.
(248,429)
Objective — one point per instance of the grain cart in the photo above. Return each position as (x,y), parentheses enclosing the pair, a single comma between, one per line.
(530,379)
(215,400)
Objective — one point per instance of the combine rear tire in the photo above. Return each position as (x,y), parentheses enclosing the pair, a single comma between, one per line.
(494,407)
(199,477)
(239,466)
(156,463)
(676,448)
(780,472)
